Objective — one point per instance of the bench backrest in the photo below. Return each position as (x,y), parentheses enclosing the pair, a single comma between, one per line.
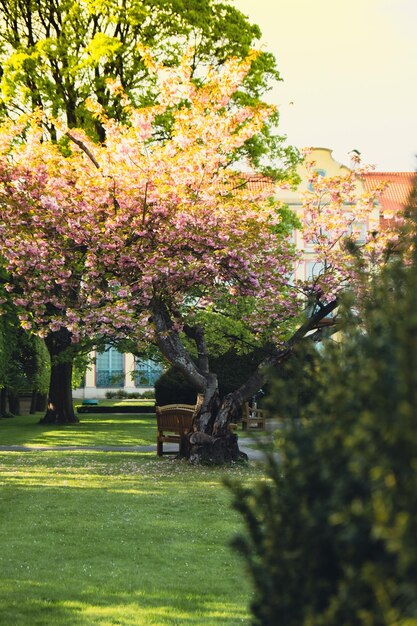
(175,417)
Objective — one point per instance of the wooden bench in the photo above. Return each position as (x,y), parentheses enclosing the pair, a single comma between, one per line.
(253,418)
(174,422)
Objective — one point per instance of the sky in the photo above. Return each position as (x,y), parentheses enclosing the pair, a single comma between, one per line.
(349,70)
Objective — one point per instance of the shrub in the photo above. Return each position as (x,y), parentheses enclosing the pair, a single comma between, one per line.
(173,387)
(117,394)
(231,368)
(331,535)
(120,394)
(129,408)
(147,395)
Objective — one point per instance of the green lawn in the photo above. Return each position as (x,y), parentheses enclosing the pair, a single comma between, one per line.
(114,538)
(101,429)
(121,402)
(126,429)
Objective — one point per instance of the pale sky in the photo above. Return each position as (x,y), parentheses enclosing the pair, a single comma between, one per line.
(350,75)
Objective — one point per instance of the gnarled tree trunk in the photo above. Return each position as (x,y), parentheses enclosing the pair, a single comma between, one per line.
(60,409)
(212,440)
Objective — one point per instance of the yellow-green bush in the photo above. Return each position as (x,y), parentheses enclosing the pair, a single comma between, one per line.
(331,534)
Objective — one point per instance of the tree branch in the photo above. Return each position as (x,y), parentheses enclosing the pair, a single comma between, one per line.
(93,159)
(198,335)
(172,348)
(84,148)
(261,375)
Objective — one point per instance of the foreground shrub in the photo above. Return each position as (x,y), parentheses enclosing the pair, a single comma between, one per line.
(331,535)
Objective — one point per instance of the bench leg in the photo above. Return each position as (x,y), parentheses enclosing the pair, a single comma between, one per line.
(159,447)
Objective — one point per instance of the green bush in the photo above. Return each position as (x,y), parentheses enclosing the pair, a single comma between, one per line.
(331,535)
(24,363)
(121,394)
(147,395)
(233,369)
(173,387)
(118,394)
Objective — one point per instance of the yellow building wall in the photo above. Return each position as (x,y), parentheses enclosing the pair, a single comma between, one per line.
(323,160)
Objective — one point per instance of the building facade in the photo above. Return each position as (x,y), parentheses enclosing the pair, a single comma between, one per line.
(113,370)
(326,166)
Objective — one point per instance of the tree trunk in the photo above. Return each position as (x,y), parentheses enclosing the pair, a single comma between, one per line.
(3,402)
(209,443)
(38,402)
(60,409)
(212,439)
(41,402)
(33,402)
(14,403)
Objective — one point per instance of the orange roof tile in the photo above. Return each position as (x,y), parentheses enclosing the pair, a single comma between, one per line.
(395,196)
(257,182)
(263,182)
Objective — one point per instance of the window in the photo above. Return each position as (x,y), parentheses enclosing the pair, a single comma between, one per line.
(110,371)
(147,372)
(320,173)
(358,230)
(314,269)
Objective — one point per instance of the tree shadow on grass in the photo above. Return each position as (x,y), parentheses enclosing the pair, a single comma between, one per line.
(93,430)
(28,602)
(106,544)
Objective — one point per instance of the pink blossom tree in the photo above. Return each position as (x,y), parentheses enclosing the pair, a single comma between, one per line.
(45,234)
(136,236)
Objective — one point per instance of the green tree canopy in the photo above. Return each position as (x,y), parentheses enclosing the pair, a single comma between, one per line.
(57,53)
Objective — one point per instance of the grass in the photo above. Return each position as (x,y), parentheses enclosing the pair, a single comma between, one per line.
(115,538)
(92,430)
(122,402)
(106,429)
